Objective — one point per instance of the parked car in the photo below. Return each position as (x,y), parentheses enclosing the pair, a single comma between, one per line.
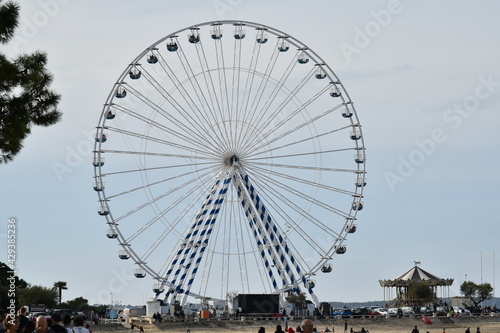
(346,313)
(392,312)
(35,315)
(379,312)
(407,311)
(440,311)
(361,312)
(63,312)
(461,311)
(426,310)
(337,312)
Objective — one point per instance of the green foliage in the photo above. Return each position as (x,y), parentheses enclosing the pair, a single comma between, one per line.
(78,304)
(298,301)
(421,293)
(38,295)
(25,96)
(9,14)
(5,274)
(60,286)
(476,292)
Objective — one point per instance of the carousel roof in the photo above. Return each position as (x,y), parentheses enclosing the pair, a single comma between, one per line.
(416,275)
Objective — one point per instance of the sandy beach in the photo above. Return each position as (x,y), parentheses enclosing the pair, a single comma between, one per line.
(373,325)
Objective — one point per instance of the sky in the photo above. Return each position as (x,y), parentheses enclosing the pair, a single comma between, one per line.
(425,80)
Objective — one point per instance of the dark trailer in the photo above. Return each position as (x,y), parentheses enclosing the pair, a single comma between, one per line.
(263,304)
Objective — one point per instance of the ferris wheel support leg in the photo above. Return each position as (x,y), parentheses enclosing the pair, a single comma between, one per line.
(199,248)
(284,253)
(252,223)
(269,240)
(186,246)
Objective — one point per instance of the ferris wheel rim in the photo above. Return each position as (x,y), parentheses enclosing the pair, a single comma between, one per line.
(358,192)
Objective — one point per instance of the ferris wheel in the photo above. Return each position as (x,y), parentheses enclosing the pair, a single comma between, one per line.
(229,157)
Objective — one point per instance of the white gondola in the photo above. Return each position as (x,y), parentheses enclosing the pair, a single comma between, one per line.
(158,288)
(98,161)
(283,46)
(139,273)
(172,47)
(134,73)
(120,92)
(98,185)
(359,157)
(303,58)
(239,33)
(123,254)
(357,205)
(326,268)
(335,92)
(262,37)
(355,134)
(346,112)
(102,210)
(152,59)
(341,250)
(360,181)
(111,234)
(101,138)
(194,37)
(216,32)
(110,114)
(320,73)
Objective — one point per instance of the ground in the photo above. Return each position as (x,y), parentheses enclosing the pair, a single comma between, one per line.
(374,325)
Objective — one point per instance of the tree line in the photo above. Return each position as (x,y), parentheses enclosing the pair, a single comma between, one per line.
(51,297)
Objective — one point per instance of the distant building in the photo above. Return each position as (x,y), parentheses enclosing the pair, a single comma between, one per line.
(402,285)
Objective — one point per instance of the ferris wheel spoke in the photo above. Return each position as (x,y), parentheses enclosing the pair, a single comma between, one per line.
(142,153)
(279,84)
(152,169)
(286,134)
(222,77)
(212,94)
(285,200)
(161,141)
(293,114)
(199,118)
(254,110)
(192,181)
(304,167)
(148,185)
(170,228)
(309,199)
(182,111)
(199,92)
(184,137)
(249,84)
(162,112)
(317,184)
(324,152)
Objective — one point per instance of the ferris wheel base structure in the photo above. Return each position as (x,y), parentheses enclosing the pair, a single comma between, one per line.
(229,162)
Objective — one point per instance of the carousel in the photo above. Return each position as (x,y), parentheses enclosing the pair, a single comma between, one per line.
(404,284)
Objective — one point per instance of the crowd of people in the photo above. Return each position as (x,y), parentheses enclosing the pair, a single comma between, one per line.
(20,323)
